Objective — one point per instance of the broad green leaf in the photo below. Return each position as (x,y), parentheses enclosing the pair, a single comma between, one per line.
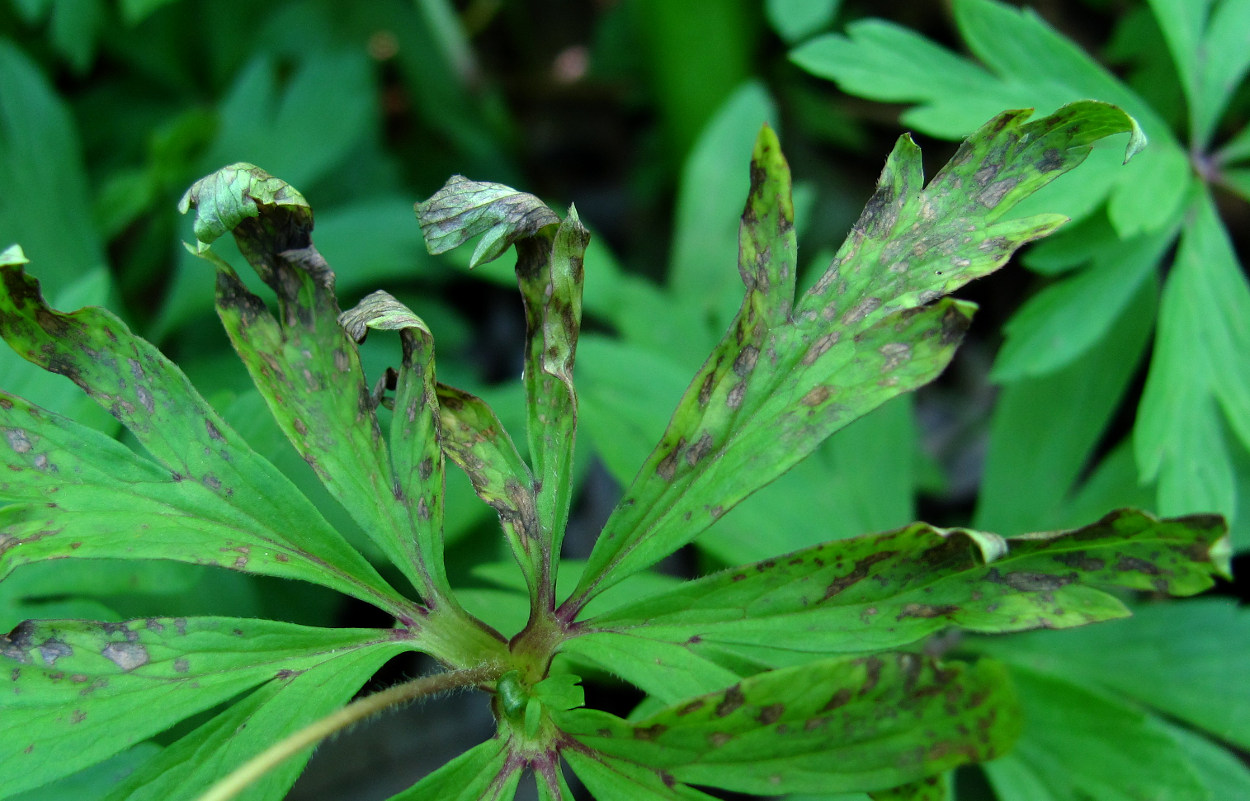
(664,670)
(930,788)
(610,779)
(209,498)
(302,361)
(1197,364)
(819,728)
(1220,770)
(247,727)
(1181,659)
(1083,744)
(892,589)
(798,19)
(93,783)
(45,204)
(1044,428)
(480,774)
(1064,321)
(85,691)
(1029,65)
(781,382)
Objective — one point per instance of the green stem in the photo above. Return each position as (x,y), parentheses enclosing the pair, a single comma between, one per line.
(249,772)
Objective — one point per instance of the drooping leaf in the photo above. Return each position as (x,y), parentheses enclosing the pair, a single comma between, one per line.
(1181,659)
(892,589)
(303,362)
(248,726)
(85,691)
(463,209)
(1083,744)
(818,727)
(210,499)
(479,774)
(785,378)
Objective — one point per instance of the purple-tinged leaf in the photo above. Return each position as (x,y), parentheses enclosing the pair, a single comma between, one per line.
(463,209)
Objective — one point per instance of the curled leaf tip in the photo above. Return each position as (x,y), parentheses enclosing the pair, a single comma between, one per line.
(463,209)
(12,256)
(235,193)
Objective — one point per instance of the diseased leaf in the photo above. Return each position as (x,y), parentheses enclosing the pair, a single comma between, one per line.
(85,691)
(819,727)
(1080,743)
(247,727)
(306,367)
(84,494)
(479,774)
(930,788)
(463,209)
(892,589)
(783,380)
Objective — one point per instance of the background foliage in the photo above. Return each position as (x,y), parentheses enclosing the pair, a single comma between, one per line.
(1122,379)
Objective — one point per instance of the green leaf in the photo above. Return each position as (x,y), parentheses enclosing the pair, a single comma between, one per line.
(610,779)
(1064,321)
(663,670)
(1029,65)
(930,788)
(95,782)
(888,590)
(1043,429)
(1082,744)
(207,496)
(1176,658)
(783,380)
(463,209)
(247,727)
(296,358)
(818,727)
(797,19)
(85,691)
(1220,770)
(480,774)
(1198,354)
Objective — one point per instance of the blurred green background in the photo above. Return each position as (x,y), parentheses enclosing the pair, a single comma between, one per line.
(642,114)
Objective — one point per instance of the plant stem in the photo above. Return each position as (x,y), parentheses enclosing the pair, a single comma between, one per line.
(243,776)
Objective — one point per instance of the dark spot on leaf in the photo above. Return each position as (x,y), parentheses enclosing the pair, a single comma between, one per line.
(668,779)
(954,325)
(212,482)
(858,573)
(176,476)
(705,389)
(718,738)
(861,310)
(733,700)
(736,394)
(893,355)
(281,557)
(77,716)
(426,468)
(53,649)
(699,449)
(649,733)
(872,670)
(821,346)
(6,404)
(126,655)
(1051,160)
(152,624)
(667,467)
(181,665)
(815,396)
(1081,561)
(145,398)
(747,358)
(423,509)
(771,714)
(18,440)
(686,709)
(1133,564)
(927,610)
(840,698)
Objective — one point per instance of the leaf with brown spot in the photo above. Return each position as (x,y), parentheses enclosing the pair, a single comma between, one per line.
(776,733)
(303,363)
(780,382)
(123,680)
(895,588)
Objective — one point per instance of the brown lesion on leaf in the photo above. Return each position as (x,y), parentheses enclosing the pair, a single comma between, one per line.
(425,468)
(872,675)
(746,360)
(53,649)
(705,389)
(840,699)
(650,733)
(701,448)
(692,706)
(893,355)
(736,395)
(820,347)
(716,739)
(926,610)
(181,665)
(667,468)
(126,655)
(857,574)
(732,701)
(18,440)
(861,310)
(1132,564)
(771,714)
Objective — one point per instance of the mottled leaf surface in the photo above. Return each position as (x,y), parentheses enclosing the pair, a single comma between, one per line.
(789,373)
(302,361)
(820,727)
(891,589)
(211,499)
(279,707)
(84,691)
(463,209)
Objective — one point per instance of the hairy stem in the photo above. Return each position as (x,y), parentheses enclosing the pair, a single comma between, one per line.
(243,776)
